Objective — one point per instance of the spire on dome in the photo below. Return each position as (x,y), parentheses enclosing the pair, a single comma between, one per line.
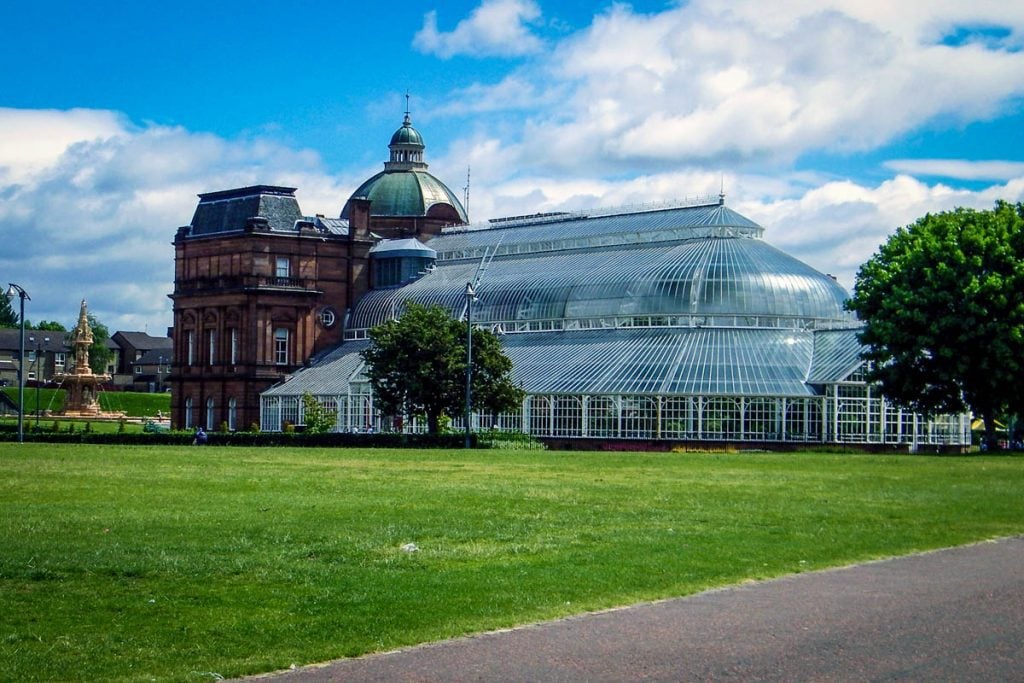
(406,146)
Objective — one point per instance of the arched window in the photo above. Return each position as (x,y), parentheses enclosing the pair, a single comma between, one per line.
(210,424)
(188,412)
(232,413)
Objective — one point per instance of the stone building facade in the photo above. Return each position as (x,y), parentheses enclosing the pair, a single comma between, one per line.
(260,288)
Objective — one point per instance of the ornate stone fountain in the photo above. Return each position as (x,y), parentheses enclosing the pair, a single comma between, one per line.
(81,384)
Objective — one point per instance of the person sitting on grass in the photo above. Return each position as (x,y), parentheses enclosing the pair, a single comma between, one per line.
(200,439)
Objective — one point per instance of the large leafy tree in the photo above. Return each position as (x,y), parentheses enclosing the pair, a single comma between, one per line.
(417,366)
(943,308)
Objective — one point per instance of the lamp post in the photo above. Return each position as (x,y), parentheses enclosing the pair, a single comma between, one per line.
(470,295)
(14,290)
(39,345)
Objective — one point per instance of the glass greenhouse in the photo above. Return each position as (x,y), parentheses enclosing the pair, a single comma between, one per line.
(659,323)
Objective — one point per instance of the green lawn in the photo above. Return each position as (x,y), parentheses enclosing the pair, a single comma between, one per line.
(187,563)
(131,403)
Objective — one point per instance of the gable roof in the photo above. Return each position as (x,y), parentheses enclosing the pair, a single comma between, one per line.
(140,341)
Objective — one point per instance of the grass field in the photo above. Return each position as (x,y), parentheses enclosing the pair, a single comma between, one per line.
(192,563)
(131,403)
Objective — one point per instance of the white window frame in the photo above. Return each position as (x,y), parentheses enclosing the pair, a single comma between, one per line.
(281,344)
(282,267)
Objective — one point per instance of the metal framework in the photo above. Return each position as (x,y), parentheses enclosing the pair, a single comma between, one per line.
(675,324)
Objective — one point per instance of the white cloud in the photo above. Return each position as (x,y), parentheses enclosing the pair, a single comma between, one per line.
(724,84)
(92,212)
(495,28)
(833,225)
(31,140)
(838,225)
(959,169)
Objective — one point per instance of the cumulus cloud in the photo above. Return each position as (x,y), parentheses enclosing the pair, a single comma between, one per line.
(729,83)
(959,169)
(498,28)
(834,226)
(838,225)
(91,212)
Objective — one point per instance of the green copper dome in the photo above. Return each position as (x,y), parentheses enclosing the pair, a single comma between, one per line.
(404,188)
(407,193)
(407,135)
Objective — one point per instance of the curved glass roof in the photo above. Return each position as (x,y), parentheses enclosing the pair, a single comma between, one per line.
(679,301)
(669,361)
(707,362)
(675,277)
(405,193)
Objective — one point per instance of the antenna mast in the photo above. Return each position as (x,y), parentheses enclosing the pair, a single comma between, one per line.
(465,191)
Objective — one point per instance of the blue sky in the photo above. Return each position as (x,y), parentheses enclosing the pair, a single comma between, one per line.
(829,122)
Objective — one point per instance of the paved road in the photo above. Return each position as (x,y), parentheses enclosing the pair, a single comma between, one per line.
(950,615)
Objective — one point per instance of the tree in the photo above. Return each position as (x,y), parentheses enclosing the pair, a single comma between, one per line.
(99,354)
(318,418)
(944,316)
(417,366)
(51,326)
(8,316)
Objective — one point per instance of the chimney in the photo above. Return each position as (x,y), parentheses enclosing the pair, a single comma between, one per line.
(359,218)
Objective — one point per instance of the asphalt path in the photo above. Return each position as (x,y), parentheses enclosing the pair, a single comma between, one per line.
(948,615)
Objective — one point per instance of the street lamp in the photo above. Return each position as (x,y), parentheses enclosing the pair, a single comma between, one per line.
(39,352)
(14,290)
(470,296)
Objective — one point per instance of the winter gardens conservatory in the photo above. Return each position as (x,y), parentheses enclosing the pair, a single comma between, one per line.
(673,323)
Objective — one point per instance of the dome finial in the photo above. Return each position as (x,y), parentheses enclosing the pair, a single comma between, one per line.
(407,121)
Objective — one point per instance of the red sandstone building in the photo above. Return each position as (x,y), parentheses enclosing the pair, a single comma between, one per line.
(259,288)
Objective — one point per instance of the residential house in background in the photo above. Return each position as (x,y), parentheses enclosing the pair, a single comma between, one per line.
(150,371)
(128,350)
(46,353)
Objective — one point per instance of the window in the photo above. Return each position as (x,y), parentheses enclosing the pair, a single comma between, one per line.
(232,413)
(138,369)
(283,268)
(211,337)
(281,346)
(328,317)
(59,359)
(234,346)
(188,412)
(32,356)
(210,425)
(190,349)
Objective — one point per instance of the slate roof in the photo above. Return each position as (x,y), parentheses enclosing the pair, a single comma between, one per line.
(160,356)
(230,210)
(142,341)
(10,340)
